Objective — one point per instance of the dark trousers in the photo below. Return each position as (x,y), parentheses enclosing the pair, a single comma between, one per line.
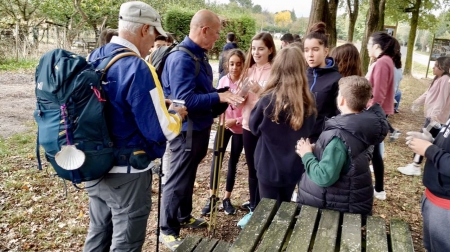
(279,194)
(378,168)
(434,132)
(250,142)
(176,204)
(236,150)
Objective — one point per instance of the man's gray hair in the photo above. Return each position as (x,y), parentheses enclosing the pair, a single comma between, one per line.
(131,27)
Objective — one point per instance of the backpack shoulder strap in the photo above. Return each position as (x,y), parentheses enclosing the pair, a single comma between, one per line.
(195,58)
(115,56)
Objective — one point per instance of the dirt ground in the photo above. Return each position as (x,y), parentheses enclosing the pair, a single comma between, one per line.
(17,103)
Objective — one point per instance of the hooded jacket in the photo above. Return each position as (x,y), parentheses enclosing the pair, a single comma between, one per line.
(436,173)
(323,83)
(276,162)
(353,191)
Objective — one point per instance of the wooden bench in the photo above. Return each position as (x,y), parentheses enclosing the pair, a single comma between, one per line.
(311,230)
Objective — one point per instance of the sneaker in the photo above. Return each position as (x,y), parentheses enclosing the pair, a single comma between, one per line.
(171,241)
(412,169)
(371,168)
(228,207)
(194,223)
(394,135)
(379,195)
(245,206)
(396,111)
(207,208)
(242,222)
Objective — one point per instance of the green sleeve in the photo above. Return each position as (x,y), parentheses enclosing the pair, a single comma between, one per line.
(326,171)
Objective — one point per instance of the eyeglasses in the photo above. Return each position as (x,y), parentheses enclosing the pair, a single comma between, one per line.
(436,66)
(369,44)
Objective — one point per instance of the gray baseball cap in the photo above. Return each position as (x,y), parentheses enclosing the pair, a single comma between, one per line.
(139,12)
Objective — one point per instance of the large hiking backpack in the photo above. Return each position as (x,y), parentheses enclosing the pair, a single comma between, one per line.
(159,56)
(70,111)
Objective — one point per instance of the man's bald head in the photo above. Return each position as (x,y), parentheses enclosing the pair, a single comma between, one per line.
(204,18)
(205,28)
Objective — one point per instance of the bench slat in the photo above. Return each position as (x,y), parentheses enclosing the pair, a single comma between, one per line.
(206,245)
(249,237)
(327,232)
(278,229)
(376,235)
(351,233)
(401,240)
(222,247)
(303,230)
(188,244)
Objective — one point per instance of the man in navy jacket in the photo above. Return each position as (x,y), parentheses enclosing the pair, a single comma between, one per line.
(181,82)
(120,202)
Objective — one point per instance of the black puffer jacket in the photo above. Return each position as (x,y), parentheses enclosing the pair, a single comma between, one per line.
(353,192)
(323,83)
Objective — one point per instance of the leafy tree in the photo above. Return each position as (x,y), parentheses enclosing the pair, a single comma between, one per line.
(299,26)
(293,16)
(352,11)
(257,8)
(283,18)
(248,4)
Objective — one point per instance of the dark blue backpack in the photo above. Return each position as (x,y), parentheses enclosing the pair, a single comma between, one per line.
(70,110)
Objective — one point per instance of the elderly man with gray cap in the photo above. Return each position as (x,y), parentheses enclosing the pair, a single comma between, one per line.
(140,125)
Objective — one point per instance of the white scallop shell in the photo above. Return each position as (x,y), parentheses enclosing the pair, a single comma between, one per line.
(70,158)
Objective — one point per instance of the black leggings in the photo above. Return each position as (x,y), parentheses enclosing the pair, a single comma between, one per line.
(279,194)
(250,142)
(236,150)
(378,168)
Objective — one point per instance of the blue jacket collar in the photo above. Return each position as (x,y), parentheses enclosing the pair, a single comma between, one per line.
(196,49)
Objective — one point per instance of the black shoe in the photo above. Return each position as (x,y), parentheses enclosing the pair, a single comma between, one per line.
(228,207)
(207,208)
(396,111)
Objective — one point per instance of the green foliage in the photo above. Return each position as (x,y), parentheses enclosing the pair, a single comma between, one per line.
(13,65)
(177,20)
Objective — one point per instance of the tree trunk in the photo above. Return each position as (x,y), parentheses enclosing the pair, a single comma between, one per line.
(353,15)
(411,38)
(324,11)
(331,25)
(76,4)
(373,16)
(382,6)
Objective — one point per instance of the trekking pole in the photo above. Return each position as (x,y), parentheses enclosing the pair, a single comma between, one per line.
(218,155)
(158,228)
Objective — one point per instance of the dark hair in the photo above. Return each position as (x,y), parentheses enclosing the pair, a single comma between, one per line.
(297,38)
(161,37)
(106,36)
(347,59)
(231,37)
(287,38)
(389,47)
(169,38)
(319,31)
(229,54)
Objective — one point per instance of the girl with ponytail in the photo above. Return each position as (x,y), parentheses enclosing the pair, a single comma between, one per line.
(323,76)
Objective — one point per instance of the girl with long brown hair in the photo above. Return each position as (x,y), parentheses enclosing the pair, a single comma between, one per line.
(347,59)
(284,113)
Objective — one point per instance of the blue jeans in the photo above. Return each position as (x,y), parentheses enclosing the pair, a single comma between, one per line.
(397,97)
(436,226)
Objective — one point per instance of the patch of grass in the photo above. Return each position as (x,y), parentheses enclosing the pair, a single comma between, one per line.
(21,64)
(422,69)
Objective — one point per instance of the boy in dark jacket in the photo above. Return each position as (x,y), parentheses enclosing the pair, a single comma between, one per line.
(337,172)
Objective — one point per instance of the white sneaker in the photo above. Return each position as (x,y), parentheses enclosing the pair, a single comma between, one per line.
(371,168)
(379,195)
(412,169)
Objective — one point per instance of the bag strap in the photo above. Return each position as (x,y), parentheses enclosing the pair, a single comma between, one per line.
(195,58)
(190,126)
